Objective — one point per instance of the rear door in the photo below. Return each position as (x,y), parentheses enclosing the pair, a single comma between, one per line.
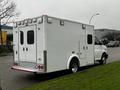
(27,44)
(31,44)
(22,45)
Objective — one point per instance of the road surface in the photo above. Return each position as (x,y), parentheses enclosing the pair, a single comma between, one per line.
(15,80)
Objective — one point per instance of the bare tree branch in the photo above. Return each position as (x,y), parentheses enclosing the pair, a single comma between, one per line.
(7,20)
(7,11)
(6,3)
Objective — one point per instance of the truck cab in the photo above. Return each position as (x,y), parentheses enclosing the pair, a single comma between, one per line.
(100,51)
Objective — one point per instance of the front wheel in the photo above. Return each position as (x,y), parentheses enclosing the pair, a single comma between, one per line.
(103,60)
(74,67)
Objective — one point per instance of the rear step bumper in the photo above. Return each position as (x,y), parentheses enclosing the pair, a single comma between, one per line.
(27,69)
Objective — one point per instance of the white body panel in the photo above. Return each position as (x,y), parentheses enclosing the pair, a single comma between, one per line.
(99,50)
(54,45)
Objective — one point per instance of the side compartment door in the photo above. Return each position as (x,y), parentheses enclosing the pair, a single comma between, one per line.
(82,49)
(89,45)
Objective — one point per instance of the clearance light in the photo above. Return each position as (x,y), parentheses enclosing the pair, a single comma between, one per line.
(26,21)
(15,25)
(19,23)
(22,23)
(30,21)
(34,20)
(61,22)
(40,20)
(83,26)
(49,20)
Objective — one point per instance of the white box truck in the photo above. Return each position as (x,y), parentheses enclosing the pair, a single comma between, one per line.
(46,44)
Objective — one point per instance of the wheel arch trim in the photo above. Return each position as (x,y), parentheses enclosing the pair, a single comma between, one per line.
(70,58)
(106,55)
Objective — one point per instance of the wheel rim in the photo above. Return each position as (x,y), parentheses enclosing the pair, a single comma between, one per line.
(104,60)
(74,68)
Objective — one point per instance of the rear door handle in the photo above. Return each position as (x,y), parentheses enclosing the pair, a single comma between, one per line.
(87,48)
(23,49)
(83,47)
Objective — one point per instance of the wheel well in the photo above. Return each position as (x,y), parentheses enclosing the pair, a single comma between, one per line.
(105,55)
(74,59)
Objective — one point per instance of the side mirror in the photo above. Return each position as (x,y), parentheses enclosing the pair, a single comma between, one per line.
(100,43)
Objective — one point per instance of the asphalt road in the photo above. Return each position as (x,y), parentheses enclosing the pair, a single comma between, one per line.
(15,80)
(114,54)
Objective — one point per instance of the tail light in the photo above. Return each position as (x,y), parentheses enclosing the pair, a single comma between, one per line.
(39,66)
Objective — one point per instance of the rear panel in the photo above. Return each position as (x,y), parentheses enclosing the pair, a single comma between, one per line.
(29,45)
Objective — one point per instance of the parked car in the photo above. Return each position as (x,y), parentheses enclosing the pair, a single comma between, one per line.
(113,44)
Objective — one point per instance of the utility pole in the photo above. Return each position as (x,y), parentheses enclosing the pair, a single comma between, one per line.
(92,17)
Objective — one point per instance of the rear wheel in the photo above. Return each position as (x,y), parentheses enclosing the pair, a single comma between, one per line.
(74,67)
(35,73)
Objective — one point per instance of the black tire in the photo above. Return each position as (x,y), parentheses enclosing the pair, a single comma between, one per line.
(103,60)
(0,88)
(35,73)
(74,66)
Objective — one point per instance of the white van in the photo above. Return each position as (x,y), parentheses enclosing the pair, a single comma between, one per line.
(46,44)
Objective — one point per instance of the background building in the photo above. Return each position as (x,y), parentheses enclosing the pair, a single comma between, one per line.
(7,35)
(108,37)
(109,34)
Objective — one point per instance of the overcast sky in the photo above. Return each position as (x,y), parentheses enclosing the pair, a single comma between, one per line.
(77,10)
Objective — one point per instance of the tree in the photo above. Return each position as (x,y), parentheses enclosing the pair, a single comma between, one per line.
(7,11)
(111,36)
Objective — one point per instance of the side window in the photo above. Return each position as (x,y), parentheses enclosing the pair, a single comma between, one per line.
(21,37)
(30,37)
(89,39)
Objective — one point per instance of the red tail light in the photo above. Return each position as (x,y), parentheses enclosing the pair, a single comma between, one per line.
(39,67)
